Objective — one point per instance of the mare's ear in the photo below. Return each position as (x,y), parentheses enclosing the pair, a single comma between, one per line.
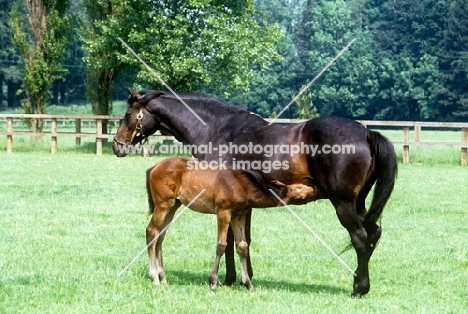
(134,94)
(131,92)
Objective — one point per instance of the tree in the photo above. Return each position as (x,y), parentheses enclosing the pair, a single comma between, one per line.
(307,110)
(193,45)
(199,44)
(41,41)
(406,45)
(100,49)
(9,58)
(72,88)
(271,89)
(455,59)
(349,86)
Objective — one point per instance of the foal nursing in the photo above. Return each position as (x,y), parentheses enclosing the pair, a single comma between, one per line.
(229,194)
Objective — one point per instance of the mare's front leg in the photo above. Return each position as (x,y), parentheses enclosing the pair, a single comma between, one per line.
(242,248)
(224,218)
(162,216)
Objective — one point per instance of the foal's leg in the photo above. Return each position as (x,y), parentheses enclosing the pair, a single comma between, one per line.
(224,218)
(242,248)
(162,216)
(229,257)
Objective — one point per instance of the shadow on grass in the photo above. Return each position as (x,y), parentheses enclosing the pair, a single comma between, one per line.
(184,278)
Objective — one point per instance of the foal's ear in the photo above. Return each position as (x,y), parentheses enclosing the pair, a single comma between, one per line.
(277,183)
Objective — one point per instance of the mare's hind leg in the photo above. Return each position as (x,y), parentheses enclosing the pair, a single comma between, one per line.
(162,216)
(373,230)
(348,217)
(229,255)
(224,218)
(242,248)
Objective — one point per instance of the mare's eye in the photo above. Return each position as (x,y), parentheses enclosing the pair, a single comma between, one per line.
(129,111)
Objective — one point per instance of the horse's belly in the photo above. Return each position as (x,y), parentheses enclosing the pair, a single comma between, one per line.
(200,204)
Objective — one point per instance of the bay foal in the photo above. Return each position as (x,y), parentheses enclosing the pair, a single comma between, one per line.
(229,194)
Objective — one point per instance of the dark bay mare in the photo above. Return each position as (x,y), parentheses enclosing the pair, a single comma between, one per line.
(339,157)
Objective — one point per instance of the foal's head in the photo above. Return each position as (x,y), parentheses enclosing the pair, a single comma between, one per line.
(296,193)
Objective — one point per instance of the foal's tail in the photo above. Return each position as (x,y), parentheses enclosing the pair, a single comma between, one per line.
(386,169)
(148,190)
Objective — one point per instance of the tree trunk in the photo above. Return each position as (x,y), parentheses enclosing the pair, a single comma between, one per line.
(36,125)
(12,87)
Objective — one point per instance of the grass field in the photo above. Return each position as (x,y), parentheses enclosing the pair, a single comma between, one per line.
(71,222)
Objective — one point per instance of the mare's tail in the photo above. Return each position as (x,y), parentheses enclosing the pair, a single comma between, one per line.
(386,168)
(148,190)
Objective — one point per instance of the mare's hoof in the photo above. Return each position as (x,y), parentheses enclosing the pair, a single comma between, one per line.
(355,294)
(359,291)
(228,281)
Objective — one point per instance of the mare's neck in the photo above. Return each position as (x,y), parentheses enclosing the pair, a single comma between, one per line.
(223,124)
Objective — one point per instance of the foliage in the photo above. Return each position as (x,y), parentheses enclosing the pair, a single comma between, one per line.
(199,44)
(408,61)
(307,110)
(9,58)
(41,41)
(455,59)
(271,89)
(101,45)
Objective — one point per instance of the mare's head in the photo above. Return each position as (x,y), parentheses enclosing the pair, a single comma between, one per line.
(295,193)
(135,126)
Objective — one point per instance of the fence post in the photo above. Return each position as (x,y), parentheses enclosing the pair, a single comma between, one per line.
(406,144)
(78,131)
(10,135)
(53,143)
(99,137)
(464,149)
(417,133)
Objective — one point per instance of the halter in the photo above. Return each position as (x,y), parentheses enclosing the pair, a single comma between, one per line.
(137,132)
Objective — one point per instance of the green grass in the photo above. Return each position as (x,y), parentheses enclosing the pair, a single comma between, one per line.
(71,222)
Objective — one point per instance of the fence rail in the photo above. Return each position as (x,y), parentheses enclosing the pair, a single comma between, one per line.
(15,120)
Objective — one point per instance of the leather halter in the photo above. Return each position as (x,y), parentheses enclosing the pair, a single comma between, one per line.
(137,132)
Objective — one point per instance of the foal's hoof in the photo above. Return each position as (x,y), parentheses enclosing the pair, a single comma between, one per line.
(213,287)
(248,285)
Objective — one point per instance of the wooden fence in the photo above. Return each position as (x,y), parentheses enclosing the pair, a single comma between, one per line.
(15,120)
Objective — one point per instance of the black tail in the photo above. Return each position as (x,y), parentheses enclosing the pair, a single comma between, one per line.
(386,169)
(148,190)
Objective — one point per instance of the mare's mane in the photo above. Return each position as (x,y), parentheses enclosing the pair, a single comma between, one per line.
(206,102)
